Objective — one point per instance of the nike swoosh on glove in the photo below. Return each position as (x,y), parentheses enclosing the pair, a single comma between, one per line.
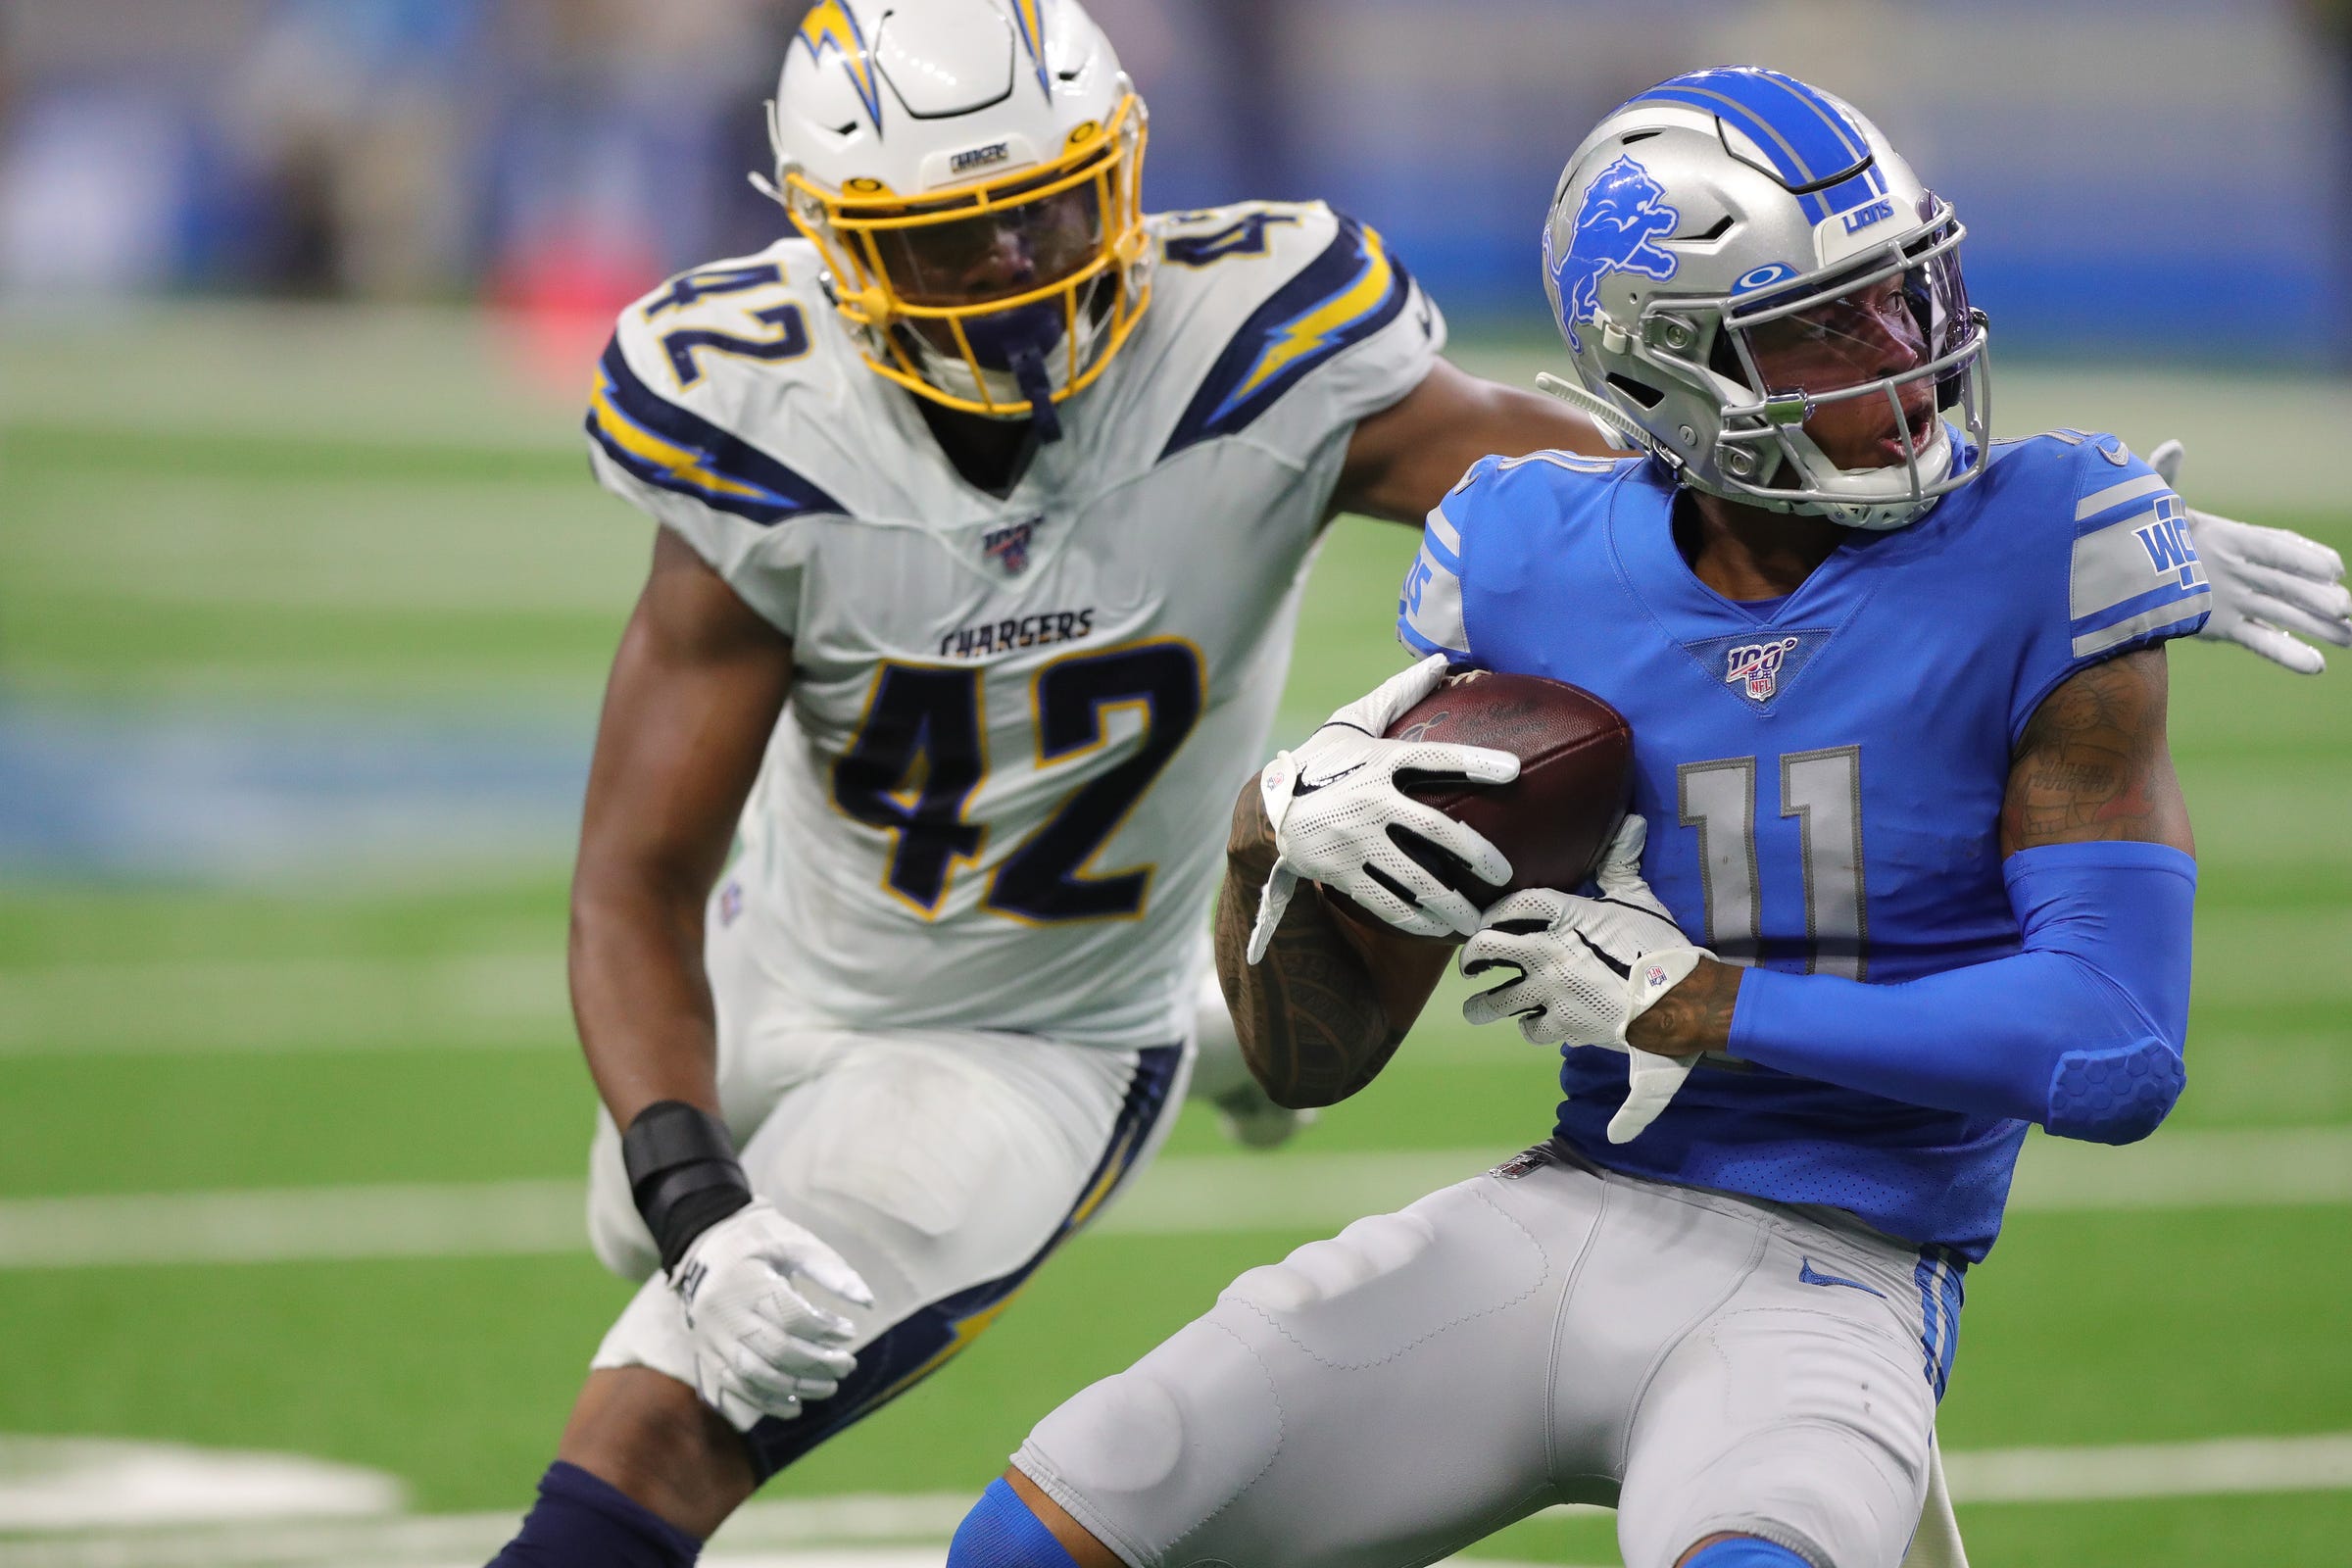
(760,1346)
(1588,969)
(2268,583)
(1338,815)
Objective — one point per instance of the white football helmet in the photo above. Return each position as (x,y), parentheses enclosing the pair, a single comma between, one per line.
(971,171)
(1722,224)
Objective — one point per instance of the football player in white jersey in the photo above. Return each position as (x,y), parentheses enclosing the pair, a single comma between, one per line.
(983,511)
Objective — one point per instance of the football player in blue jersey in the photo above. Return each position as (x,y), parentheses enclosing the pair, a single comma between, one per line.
(983,504)
(1908,871)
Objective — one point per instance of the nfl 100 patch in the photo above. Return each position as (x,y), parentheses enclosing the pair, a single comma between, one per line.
(1758,665)
(1008,548)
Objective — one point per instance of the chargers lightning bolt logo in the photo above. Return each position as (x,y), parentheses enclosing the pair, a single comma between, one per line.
(1324,323)
(1033,36)
(1623,213)
(831,27)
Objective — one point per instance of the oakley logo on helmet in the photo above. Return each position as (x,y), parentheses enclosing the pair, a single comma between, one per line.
(1623,211)
(1764,276)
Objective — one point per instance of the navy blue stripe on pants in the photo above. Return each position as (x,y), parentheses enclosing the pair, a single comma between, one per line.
(920,1344)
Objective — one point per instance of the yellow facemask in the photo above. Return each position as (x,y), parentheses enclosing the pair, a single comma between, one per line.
(946,291)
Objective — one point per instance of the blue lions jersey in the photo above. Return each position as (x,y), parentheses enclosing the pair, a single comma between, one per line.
(1823,773)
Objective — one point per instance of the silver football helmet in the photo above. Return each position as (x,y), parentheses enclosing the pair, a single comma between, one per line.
(1728,220)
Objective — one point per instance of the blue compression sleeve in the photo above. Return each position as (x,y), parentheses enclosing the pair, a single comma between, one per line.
(1745,1551)
(2082,1032)
(1002,1531)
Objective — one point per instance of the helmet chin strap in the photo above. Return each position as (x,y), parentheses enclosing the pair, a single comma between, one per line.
(1015,343)
(1029,375)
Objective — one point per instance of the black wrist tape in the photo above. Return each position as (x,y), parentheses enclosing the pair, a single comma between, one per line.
(683,1174)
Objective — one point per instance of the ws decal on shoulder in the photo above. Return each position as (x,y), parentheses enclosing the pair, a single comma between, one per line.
(2166,540)
(2136,571)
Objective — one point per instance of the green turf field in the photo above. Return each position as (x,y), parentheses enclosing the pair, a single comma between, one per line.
(345,525)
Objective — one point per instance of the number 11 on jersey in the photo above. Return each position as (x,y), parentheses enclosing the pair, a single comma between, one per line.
(1823,791)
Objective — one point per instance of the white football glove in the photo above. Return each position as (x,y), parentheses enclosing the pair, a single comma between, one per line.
(760,1346)
(1334,799)
(1588,969)
(2267,583)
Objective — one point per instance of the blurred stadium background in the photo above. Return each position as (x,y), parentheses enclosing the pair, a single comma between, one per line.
(304,602)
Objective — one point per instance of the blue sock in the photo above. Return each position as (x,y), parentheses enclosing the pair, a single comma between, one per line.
(1746,1552)
(581,1522)
(1001,1533)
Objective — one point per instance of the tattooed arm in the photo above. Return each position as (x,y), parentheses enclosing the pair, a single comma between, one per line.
(2093,764)
(2083,1029)
(1322,1013)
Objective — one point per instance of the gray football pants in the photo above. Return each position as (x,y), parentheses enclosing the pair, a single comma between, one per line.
(1545,1333)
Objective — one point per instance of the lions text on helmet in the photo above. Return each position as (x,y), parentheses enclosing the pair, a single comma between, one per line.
(969,170)
(1778,316)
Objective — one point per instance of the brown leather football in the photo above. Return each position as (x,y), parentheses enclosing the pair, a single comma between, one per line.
(1576,773)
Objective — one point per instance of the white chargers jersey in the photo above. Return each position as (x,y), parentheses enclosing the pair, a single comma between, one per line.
(1000,792)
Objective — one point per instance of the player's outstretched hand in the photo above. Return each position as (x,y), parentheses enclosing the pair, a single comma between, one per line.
(2269,586)
(1334,808)
(1588,969)
(760,1346)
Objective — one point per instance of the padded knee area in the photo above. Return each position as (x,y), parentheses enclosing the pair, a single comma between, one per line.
(1143,1459)
(1123,1434)
(1320,1271)
(1002,1531)
(1746,1552)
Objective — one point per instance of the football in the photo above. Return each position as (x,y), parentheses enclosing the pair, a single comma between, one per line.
(1576,760)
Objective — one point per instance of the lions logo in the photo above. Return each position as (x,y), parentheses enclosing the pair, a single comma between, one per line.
(1623,213)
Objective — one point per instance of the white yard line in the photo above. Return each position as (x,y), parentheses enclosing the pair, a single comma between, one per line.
(826,1533)
(283,1005)
(2222,1466)
(1184,1195)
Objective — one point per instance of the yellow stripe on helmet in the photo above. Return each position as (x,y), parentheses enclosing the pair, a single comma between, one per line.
(830,25)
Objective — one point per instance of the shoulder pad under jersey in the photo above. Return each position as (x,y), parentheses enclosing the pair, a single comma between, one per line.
(1282,321)
(715,409)
(690,396)
(2105,544)
(1517,509)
